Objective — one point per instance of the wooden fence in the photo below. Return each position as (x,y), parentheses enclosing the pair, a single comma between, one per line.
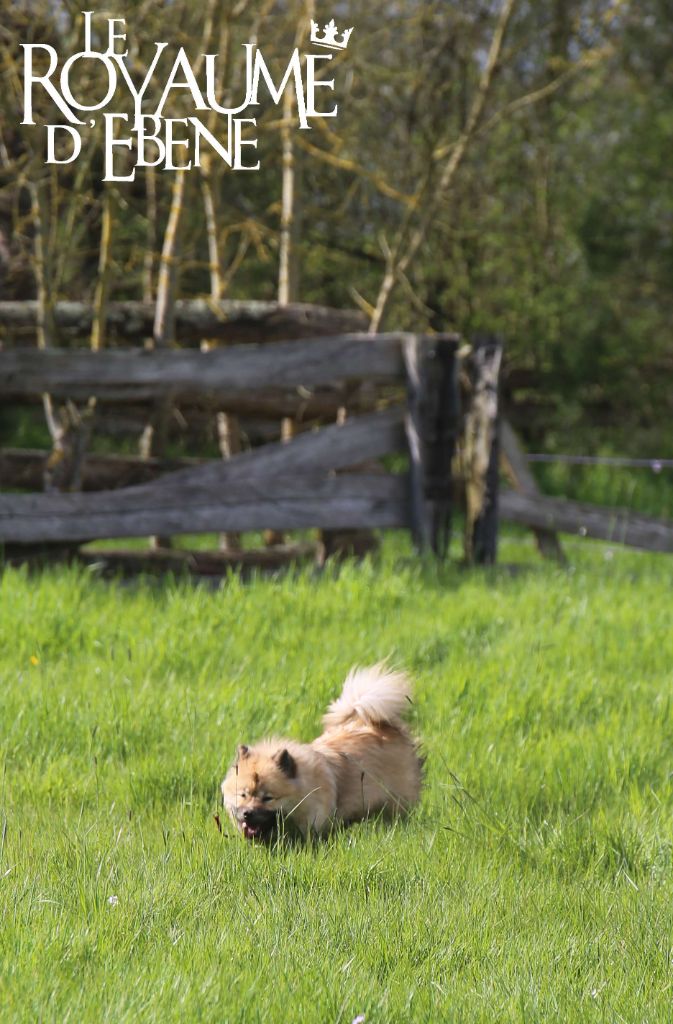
(227,320)
(329,478)
(428,397)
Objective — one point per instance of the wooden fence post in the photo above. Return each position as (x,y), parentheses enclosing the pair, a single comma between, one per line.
(481,451)
(442,433)
(431,423)
(414,426)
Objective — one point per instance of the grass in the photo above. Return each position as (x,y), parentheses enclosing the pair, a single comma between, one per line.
(641,490)
(534,883)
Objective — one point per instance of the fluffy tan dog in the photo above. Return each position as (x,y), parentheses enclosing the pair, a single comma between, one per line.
(364,762)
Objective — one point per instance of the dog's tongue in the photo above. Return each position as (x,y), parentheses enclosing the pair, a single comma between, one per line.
(250,831)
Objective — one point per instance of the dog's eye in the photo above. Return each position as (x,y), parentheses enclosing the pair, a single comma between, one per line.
(266,798)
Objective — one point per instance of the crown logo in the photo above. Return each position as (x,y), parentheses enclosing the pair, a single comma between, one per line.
(329,37)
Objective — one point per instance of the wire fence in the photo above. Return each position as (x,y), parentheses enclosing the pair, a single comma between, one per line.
(656,465)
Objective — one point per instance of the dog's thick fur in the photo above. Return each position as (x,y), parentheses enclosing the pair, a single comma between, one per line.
(364,762)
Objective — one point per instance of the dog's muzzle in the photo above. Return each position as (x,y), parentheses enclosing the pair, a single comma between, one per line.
(257,824)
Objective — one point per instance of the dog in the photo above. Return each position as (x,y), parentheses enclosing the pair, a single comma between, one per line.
(364,763)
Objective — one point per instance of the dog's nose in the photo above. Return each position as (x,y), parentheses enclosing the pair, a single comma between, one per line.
(247,815)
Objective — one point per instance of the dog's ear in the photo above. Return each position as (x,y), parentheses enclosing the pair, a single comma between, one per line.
(286,763)
(242,752)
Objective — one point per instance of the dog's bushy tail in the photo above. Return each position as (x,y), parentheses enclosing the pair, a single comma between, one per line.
(376,695)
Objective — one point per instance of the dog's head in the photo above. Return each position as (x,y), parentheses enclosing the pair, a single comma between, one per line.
(260,790)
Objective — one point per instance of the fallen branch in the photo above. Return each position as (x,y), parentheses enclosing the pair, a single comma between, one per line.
(198,563)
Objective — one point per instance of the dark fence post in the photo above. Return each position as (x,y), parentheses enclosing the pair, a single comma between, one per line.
(414,425)
(481,444)
(431,426)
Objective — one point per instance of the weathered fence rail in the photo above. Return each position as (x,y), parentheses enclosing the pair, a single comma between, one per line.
(132,375)
(617,525)
(301,404)
(325,478)
(23,469)
(331,503)
(228,321)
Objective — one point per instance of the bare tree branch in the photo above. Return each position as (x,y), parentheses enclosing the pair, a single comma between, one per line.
(410,238)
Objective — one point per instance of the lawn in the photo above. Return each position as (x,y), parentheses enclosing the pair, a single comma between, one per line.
(534,883)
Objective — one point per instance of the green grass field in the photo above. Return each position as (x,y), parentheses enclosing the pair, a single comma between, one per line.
(534,883)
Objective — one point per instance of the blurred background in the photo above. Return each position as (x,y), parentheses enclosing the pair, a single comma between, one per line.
(507,164)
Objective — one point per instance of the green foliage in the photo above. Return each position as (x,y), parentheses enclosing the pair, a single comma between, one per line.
(555,232)
(533,883)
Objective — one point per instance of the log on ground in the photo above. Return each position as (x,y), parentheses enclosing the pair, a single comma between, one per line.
(197,563)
